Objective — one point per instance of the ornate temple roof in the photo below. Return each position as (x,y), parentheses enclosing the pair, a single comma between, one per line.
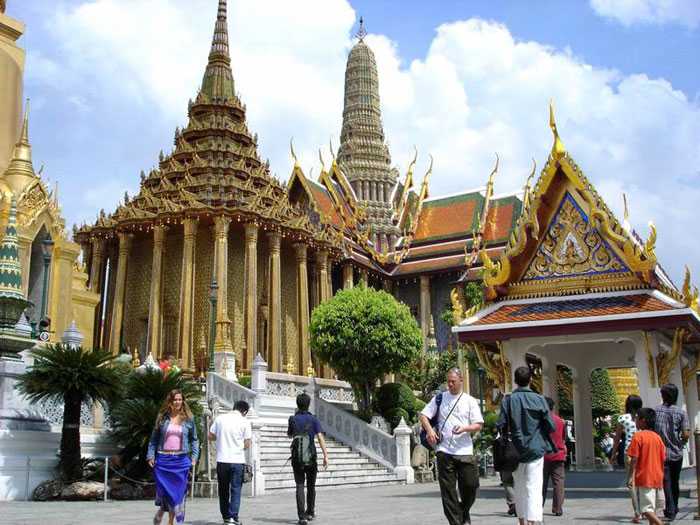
(569,264)
(215,167)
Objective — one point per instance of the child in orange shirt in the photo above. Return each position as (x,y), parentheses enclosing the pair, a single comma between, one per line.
(647,454)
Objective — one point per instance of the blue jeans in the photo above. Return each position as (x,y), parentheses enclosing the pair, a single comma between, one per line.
(230,476)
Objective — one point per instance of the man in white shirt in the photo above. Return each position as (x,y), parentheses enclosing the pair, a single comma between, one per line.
(232,433)
(458,417)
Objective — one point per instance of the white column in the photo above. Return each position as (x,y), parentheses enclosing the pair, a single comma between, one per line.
(514,351)
(647,376)
(691,399)
(549,378)
(583,417)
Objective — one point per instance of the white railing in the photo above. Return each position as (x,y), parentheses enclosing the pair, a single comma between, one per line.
(336,392)
(52,411)
(351,430)
(285,385)
(227,392)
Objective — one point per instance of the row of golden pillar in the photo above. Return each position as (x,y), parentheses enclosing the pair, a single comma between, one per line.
(321,287)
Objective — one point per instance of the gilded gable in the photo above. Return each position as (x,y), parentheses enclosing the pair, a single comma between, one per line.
(572,247)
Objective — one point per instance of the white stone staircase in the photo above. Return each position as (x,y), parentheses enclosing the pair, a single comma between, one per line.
(347,468)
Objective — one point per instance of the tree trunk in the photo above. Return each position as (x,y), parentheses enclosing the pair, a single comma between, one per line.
(70,464)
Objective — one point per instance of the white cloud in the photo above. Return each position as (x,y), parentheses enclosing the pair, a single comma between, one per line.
(476,92)
(630,12)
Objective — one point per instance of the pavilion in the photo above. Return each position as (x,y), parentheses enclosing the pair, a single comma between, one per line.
(576,287)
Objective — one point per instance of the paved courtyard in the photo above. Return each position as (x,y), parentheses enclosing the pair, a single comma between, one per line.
(400,505)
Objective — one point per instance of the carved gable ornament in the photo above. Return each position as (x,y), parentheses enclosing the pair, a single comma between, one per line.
(572,247)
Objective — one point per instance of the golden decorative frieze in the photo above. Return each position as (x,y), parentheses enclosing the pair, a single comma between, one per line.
(690,370)
(650,360)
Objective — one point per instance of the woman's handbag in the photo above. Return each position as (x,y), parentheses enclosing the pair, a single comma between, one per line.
(505,455)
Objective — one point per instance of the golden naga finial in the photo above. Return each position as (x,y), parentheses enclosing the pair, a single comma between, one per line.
(526,188)
(332,149)
(558,147)
(690,292)
(626,210)
(320,157)
(492,177)
(413,162)
(426,180)
(294,155)
(650,243)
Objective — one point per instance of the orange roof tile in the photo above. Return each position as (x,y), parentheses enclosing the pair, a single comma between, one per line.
(576,308)
(449,217)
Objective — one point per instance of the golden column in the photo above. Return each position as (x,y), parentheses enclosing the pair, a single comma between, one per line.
(96,273)
(187,293)
(120,288)
(251,294)
(98,253)
(155,313)
(348,281)
(304,358)
(274,322)
(425,308)
(364,278)
(322,269)
(324,293)
(222,342)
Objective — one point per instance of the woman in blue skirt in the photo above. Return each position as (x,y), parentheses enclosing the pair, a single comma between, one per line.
(172,451)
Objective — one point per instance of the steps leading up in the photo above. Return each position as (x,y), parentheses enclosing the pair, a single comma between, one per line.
(346,468)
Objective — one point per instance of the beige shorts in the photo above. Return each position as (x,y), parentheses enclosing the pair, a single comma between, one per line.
(646,498)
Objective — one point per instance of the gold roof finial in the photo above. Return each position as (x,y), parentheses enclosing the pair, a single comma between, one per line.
(320,157)
(361,32)
(426,180)
(415,158)
(526,188)
(558,147)
(294,155)
(332,149)
(625,212)
(492,177)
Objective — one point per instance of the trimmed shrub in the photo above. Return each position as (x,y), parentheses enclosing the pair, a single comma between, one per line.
(394,416)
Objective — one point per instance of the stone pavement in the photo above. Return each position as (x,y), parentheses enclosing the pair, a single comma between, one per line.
(389,505)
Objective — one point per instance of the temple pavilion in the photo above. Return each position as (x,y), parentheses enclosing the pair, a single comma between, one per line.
(575,287)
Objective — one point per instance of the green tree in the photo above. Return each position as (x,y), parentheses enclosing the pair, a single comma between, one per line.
(74,376)
(134,415)
(603,396)
(364,334)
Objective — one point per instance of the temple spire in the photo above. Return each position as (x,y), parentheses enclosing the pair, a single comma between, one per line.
(361,32)
(218,78)
(21,170)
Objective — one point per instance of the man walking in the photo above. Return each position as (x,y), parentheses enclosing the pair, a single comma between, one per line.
(303,427)
(554,463)
(458,417)
(531,425)
(673,428)
(232,433)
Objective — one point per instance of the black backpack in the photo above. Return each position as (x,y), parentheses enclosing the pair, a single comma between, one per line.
(302,448)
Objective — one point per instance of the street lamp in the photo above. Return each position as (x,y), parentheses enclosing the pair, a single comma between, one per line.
(213,289)
(46,250)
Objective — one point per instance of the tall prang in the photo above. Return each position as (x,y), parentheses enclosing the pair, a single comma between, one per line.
(364,156)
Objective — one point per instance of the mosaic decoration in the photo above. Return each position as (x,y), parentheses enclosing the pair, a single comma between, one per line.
(572,247)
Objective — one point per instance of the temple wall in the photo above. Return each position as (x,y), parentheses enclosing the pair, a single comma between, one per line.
(409,293)
(172,278)
(136,298)
(204,266)
(11,75)
(289,346)
(440,288)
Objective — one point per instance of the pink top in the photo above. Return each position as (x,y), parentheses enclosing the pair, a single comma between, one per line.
(173,437)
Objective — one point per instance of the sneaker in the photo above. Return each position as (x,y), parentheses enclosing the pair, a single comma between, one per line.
(310,516)
(302,522)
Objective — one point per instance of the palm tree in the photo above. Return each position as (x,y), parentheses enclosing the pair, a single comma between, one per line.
(76,376)
(133,417)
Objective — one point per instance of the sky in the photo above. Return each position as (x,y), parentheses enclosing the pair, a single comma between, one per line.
(462,80)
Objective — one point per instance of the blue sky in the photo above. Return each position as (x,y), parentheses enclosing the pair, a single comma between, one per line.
(109,81)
